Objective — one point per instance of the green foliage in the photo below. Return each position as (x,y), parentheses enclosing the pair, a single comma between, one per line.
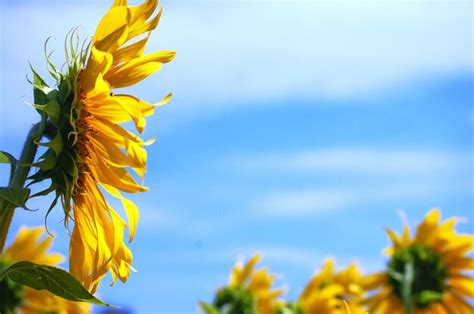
(13,196)
(423,270)
(55,280)
(235,300)
(427,297)
(10,296)
(52,109)
(7,158)
(40,88)
(208,308)
(290,308)
(56,107)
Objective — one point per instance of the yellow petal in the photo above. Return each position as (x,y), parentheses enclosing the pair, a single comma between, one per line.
(130,52)
(138,69)
(244,275)
(139,27)
(131,210)
(115,19)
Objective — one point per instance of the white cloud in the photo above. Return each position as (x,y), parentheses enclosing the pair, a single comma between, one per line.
(371,176)
(355,160)
(236,53)
(297,203)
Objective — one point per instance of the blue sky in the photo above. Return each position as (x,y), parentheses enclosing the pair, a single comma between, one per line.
(297,129)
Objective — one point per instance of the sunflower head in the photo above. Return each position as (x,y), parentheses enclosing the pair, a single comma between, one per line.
(89,151)
(58,108)
(429,278)
(249,292)
(32,245)
(333,292)
(428,268)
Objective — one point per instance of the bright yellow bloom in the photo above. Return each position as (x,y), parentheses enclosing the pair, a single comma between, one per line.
(258,283)
(332,292)
(105,151)
(28,246)
(440,257)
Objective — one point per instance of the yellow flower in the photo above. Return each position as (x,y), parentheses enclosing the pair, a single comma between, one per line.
(103,152)
(258,283)
(28,246)
(440,259)
(332,292)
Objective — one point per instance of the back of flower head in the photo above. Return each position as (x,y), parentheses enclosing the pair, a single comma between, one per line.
(249,291)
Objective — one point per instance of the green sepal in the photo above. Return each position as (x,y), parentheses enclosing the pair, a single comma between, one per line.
(40,88)
(47,160)
(290,308)
(396,276)
(67,195)
(69,165)
(14,196)
(427,297)
(235,300)
(50,208)
(65,89)
(55,280)
(52,95)
(7,158)
(56,144)
(52,109)
(39,176)
(45,192)
(53,71)
(208,308)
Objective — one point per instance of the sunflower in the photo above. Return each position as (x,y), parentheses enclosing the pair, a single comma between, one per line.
(28,246)
(90,152)
(106,150)
(249,291)
(438,258)
(332,292)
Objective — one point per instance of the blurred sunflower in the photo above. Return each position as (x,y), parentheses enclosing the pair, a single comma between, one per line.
(249,292)
(28,246)
(332,292)
(437,259)
(90,152)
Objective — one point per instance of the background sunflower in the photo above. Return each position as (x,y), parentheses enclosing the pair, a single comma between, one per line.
(439,260)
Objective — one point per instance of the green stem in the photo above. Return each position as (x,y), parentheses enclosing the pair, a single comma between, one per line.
(407,283)
(20,173)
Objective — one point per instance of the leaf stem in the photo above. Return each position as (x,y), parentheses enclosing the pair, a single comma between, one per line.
(20,174)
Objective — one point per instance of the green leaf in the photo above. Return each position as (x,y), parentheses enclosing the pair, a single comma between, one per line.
(55,280)
(7,158)
(14,196)
(208,308)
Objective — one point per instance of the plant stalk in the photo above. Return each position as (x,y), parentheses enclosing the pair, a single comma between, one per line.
(407,283)
(20,174)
